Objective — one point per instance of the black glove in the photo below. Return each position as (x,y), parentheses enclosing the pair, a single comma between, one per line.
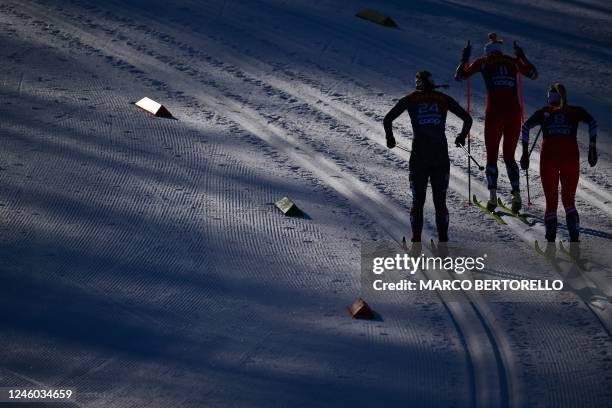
(467,51)
(592,155)
(525,162)
(390,142)
(460,140)
(518,51)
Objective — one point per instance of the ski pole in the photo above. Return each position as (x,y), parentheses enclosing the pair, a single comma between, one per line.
(528,192)
(469,139)
(470,157)
(527,171)
(534,142)
(399,146)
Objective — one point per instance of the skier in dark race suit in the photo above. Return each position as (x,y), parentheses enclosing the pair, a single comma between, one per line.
(559,157)
(429,161)
(503,111)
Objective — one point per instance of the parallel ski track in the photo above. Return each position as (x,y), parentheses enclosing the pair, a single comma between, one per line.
(339,112)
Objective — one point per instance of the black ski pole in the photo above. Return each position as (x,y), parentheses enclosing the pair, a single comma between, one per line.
(528,192)
(527,170)
(472,158)
(534,142)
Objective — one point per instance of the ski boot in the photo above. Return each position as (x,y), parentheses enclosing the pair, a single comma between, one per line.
(517,203)
(492,203)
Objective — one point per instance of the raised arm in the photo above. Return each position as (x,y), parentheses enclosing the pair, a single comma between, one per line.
(524,66)
(466,70)
(527,68)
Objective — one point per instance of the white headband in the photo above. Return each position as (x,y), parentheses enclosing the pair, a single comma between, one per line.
(492,46)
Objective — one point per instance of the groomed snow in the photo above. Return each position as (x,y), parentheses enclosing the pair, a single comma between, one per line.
(143,263)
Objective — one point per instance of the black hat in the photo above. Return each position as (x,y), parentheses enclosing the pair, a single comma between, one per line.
(423,80)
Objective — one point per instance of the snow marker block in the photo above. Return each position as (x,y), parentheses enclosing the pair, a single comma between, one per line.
(376,17)
(155,108)
(361,310)
(289,208)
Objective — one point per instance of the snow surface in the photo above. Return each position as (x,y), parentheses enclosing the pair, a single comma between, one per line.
(143,262)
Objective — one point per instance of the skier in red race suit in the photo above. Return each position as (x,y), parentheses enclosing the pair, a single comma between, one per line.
(559,156)
(429,161)
(503,114)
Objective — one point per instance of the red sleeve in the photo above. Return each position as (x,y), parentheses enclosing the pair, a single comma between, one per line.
(526,68)
(474,67)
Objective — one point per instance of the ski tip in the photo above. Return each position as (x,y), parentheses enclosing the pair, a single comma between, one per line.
(538,248)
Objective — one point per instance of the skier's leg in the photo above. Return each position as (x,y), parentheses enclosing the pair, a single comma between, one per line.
(492,135)
(512,129)
(439,185)
(549,174)
(570,172)
(418,187)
